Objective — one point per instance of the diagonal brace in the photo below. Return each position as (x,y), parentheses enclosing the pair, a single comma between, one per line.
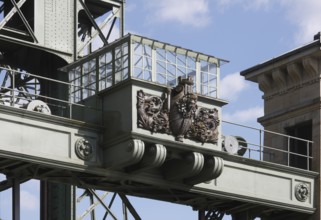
(101,35)
(24,20)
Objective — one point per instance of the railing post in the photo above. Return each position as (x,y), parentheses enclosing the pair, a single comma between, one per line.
(261,151)
(13,88)
(308,156)
(288,150)
(70,99)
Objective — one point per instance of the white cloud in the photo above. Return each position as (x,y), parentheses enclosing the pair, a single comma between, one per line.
(187,12)
(232,85)
(246,115)
(246,4)
(29,201)
(306,16)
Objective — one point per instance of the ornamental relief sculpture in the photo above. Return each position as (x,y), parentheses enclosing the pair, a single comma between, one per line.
(177,113)
(151,113)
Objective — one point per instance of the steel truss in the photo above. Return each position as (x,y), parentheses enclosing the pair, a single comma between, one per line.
(95,198)
(84,35)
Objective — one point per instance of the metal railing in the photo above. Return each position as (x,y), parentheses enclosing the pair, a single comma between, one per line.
(19,89)
(265,145)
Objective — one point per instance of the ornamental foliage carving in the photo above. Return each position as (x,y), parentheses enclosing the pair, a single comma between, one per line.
(151,113)
(177,113)
(204,128)
(301,192)
(83,149)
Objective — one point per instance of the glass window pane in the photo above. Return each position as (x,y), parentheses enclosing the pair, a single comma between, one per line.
(181,71)
(109,57)
(109,81)
(138,73)
(204,78)
(138,61)
(212,68)
(92,65)
(181,60)
(204,90)
(161,67)
(161,78)
(171,57)
(118,65)
(125,73)
(86,67)
(71,75)
(102,59)
(191,63)
(102,85)
(160,54)
(204,66)
(191,73)
(125,48)
(138,49)
(125,61)
(84,93)
(171,70)
(148,75)
(212,92)
(171,81)
(148,63)
(118,77)
(119,52)
(92,76)
(147,50)
(212,79)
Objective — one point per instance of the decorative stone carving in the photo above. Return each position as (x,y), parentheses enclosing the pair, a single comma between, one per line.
(279,78)
(212,169)
(205,126)
(83,149)
(265,83)
(154,156)
(301,192)
(177,113)
(310,66)
(124,154)
(294,71)
(151,113)
(190,165)
(183,108)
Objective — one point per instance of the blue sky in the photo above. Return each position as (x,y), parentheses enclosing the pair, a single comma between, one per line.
(245,32)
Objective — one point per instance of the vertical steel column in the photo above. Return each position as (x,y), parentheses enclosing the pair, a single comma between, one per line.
(201,215)
(44,200)
(57,201)
(75,51)
(15,199)
(122,19)
(242,216)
